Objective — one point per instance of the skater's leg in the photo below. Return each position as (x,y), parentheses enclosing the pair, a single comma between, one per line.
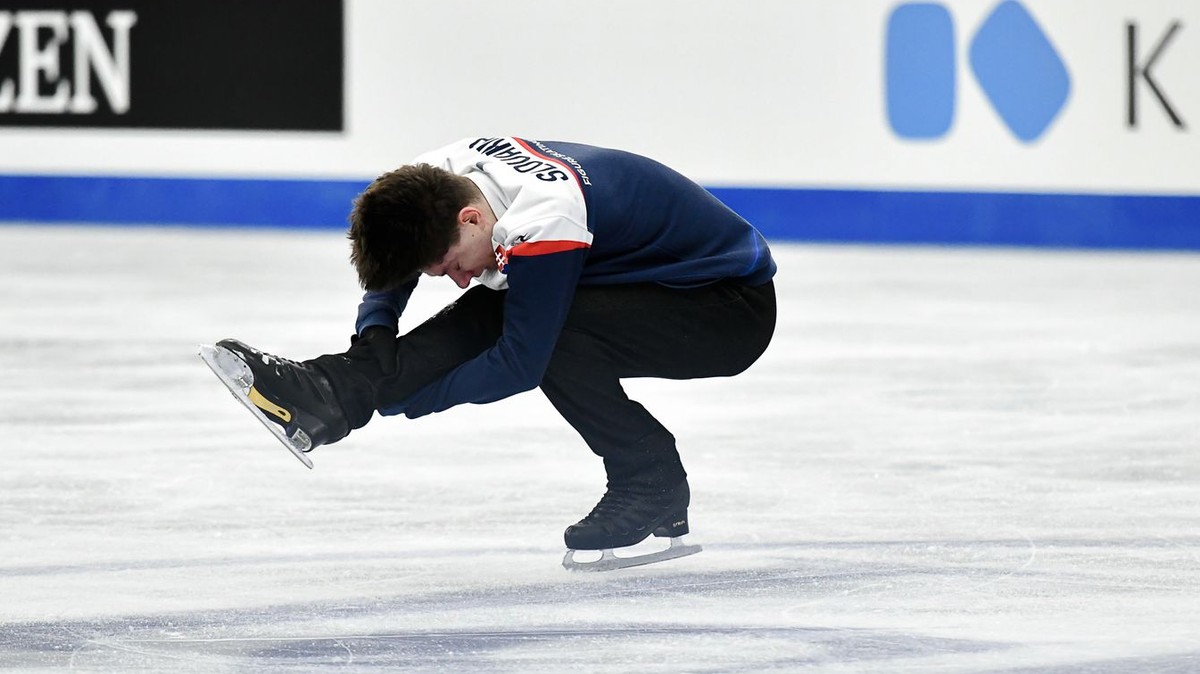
(319,401)
(589,396)
(646,331)
(649,331)
(454,335)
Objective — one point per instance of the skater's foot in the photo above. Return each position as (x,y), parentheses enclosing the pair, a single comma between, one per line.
(297,397)
(624,517)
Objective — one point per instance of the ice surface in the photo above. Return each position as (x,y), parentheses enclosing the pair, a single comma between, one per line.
(948,461)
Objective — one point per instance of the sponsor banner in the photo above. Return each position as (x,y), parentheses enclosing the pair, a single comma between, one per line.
(970,95)
(1012,122)
(1040,95)
(172,64)
(1023,75)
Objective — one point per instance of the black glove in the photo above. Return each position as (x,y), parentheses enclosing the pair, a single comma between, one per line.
(376,343)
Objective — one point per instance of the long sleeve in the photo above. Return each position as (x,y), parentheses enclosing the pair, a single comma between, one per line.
(542,282)
(384,308)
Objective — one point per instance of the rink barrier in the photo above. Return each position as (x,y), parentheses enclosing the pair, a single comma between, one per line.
(793,214)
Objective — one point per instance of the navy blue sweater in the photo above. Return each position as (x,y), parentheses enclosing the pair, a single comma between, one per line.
(571,215)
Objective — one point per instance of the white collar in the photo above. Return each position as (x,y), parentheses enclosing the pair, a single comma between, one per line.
(491,191)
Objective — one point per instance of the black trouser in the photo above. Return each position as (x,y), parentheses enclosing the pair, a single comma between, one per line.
(611,332)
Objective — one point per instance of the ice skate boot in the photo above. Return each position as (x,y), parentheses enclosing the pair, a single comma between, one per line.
(293,400)
(626,517)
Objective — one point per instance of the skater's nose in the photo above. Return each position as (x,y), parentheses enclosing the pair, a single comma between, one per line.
(461,278)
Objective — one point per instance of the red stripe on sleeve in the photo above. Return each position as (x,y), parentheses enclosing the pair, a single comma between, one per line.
(545,247)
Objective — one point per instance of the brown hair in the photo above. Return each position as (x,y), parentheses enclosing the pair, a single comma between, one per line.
(405,221)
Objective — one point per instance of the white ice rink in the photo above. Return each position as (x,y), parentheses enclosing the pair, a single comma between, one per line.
(948,461)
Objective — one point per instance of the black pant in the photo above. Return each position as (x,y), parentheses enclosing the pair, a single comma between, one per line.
(611,332)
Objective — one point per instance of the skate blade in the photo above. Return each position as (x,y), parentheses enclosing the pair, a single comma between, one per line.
(238,378)
(610,562)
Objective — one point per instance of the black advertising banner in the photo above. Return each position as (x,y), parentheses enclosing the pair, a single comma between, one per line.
(172,64)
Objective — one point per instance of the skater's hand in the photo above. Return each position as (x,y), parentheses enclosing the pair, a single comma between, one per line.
(376,342)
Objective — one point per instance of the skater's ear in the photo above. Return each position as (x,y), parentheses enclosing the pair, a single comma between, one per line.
(473,216)
(468,215)
(478,212)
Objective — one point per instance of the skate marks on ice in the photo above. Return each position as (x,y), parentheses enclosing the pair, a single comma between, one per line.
(798,611)
(654,647)
(519,649)
(312,636)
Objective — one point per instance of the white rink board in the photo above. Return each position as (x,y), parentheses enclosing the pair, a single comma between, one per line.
(951,461)
(762,93)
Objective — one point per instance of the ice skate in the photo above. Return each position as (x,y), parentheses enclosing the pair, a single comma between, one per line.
(293,400)
(624,518)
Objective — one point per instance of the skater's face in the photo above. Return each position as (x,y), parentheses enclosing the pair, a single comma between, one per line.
(472,254)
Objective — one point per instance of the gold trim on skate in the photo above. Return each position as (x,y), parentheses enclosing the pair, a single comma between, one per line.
(268,406)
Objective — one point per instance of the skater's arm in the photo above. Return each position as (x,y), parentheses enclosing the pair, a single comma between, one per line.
(541,289)
(384,308)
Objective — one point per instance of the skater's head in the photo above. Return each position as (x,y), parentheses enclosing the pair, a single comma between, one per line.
(406,221)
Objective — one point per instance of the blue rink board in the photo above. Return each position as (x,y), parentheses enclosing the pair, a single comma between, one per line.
(796,214)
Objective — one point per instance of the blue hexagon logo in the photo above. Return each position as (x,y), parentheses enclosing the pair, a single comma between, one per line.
(1014,62)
